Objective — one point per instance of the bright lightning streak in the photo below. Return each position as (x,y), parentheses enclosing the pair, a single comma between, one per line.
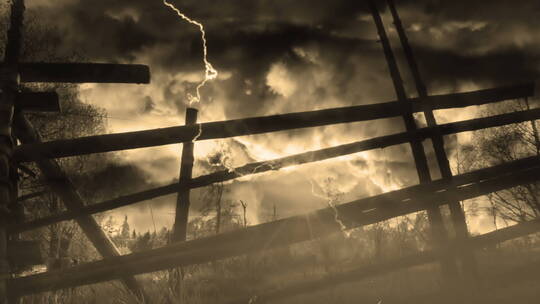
(199,133)
(331,204)
(240,171)
(209,72)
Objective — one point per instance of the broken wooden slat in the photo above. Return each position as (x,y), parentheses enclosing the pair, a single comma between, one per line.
(238,127)
(84,72)
(37,101)
(264,236)
(276,164)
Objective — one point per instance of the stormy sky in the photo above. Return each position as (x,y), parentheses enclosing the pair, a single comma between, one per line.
(284,56)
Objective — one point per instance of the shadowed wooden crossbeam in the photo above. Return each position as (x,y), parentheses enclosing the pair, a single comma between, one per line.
(37,101)
(84,72)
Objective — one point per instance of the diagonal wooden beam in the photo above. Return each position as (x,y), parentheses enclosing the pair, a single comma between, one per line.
(257,125)
(63,187)
(279,163)
(437,229)
(470,267)
(268,235)
(84,72)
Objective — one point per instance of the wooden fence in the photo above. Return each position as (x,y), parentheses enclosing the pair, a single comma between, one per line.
(428,195)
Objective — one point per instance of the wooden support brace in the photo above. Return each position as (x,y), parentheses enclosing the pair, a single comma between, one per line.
(438,231)
(62,186)
(470,267)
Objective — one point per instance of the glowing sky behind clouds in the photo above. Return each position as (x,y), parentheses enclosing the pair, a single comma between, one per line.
(283,56)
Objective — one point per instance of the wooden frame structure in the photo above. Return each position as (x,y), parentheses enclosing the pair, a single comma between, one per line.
(428,195)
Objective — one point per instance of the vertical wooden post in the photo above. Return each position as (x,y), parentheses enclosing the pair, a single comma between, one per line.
(9,86)
(186,170)
(534,129)
(470,266)
(438,231)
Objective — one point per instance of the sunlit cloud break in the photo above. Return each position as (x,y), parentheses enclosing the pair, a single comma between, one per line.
(209,72)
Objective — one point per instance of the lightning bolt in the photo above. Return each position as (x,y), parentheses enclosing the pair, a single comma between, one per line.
(331,204)
(209,72)
(239,171)
(199,133)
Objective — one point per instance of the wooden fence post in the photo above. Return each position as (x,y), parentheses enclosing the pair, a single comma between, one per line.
(186,170)
(8,179)
(438,230)
(470,267)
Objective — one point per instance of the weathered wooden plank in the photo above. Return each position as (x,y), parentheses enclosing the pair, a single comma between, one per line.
(248,126)
(64,188)
(37,101)
(470,267)
(264,236)
(276,164)
(84,72)
(186,170)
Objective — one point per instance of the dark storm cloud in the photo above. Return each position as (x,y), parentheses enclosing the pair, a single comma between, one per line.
(486,42)
(247,37)
(501,67)
(117,29)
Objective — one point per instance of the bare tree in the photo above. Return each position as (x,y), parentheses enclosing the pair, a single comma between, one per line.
(504,144)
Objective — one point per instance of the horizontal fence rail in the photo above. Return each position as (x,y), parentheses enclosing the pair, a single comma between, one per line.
(38,101)
(279,233)
(258,125)
(392,265)
(84,72)
(276,164)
